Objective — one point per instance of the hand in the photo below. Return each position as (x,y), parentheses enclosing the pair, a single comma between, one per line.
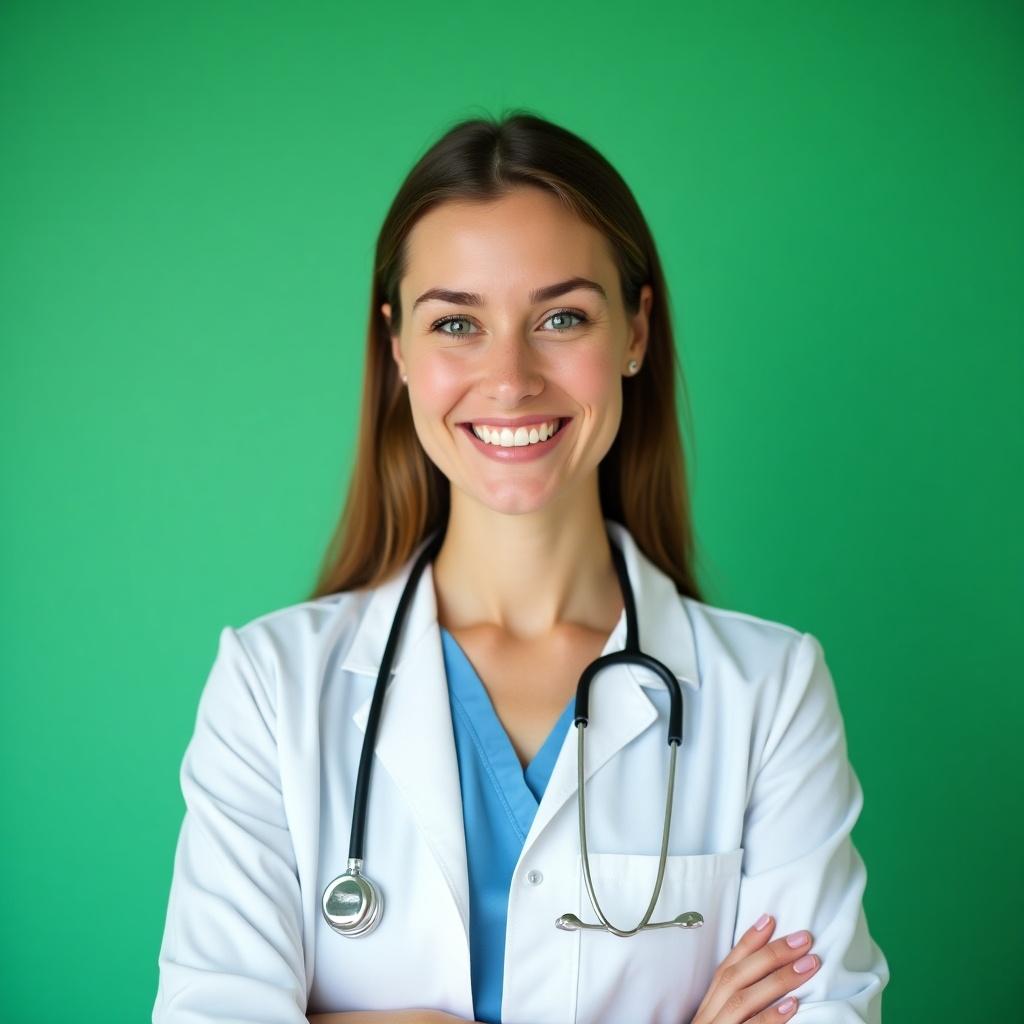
(752,976)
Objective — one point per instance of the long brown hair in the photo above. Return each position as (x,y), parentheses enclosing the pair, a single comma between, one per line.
(397,496)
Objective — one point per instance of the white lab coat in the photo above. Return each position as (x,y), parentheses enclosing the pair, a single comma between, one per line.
(764,802)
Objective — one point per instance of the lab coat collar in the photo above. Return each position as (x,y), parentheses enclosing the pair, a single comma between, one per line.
(417,712)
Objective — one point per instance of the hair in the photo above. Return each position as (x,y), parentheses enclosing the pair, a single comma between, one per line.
(397,496)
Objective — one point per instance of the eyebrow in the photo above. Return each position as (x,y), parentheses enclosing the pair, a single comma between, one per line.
(551,291)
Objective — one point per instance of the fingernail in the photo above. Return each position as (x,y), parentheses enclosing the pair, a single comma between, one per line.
(786,1005)
(797,939)
(761,922)
(804,964)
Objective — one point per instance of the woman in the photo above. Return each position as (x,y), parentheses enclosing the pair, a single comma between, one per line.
(518,407)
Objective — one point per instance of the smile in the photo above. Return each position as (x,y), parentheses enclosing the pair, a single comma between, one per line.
(506,437)
(521,445)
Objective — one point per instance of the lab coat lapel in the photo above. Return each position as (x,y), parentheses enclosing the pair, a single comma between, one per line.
(619,708)
(415,741)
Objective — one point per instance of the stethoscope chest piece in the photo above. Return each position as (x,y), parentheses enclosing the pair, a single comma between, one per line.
(352,904)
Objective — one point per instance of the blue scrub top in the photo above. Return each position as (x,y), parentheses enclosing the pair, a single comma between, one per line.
(499,801)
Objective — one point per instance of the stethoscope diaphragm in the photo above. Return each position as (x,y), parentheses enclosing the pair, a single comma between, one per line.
(352,904)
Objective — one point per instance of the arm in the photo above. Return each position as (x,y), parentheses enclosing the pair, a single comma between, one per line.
(232,945)
(800,863)
(380,1016)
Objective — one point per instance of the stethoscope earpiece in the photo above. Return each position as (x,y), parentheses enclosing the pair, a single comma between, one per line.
(690,919)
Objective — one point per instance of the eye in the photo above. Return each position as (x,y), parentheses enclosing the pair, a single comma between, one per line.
(564,314)
(437,325)
(561,314)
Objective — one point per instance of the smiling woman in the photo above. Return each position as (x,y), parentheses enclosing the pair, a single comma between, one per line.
(515,557)
(509,261)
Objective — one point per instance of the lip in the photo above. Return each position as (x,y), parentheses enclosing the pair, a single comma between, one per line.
(521,421)
(523,452)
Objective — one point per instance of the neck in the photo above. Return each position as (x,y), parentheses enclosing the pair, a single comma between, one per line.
(526,574)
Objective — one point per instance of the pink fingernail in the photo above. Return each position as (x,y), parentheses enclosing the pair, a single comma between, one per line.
(786,1005)
(761,922)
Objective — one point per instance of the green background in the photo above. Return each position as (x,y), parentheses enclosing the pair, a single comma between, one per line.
(189,199)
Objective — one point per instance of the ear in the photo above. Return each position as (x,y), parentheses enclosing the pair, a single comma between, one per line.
(396,350)
(640,325)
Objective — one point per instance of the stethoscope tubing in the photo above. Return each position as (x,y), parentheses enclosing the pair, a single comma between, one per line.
(366,756)
(630,654)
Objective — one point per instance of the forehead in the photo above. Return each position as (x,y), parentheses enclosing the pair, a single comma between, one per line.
(503,248)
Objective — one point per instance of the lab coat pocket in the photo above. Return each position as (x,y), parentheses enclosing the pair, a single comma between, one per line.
(659,975)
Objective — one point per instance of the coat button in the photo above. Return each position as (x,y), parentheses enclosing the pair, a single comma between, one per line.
(534,877)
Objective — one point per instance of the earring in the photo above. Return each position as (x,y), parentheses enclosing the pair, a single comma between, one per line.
(633,366)
(404,378)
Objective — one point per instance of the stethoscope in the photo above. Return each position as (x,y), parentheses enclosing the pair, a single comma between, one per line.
(353,904)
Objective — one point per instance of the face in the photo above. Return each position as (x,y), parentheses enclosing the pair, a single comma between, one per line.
(499,354)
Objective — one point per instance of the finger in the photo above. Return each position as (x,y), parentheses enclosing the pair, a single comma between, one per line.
(780,1012)
(782,981)
(750,941)
(752,1001)
(750,984)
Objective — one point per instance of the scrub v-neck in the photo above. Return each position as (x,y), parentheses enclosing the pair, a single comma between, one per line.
(499,802)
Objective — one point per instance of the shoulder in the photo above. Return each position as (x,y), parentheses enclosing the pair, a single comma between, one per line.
(775,670)
(305,621)
(740,643)
(294,646)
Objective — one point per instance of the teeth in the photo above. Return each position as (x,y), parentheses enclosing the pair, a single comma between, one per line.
(505,437)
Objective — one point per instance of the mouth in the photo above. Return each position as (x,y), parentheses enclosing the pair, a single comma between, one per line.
(560,421)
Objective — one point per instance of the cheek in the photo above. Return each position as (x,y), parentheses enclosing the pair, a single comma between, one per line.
(438,384)
(590,379)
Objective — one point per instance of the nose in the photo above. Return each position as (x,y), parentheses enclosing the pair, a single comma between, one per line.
(512,370)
